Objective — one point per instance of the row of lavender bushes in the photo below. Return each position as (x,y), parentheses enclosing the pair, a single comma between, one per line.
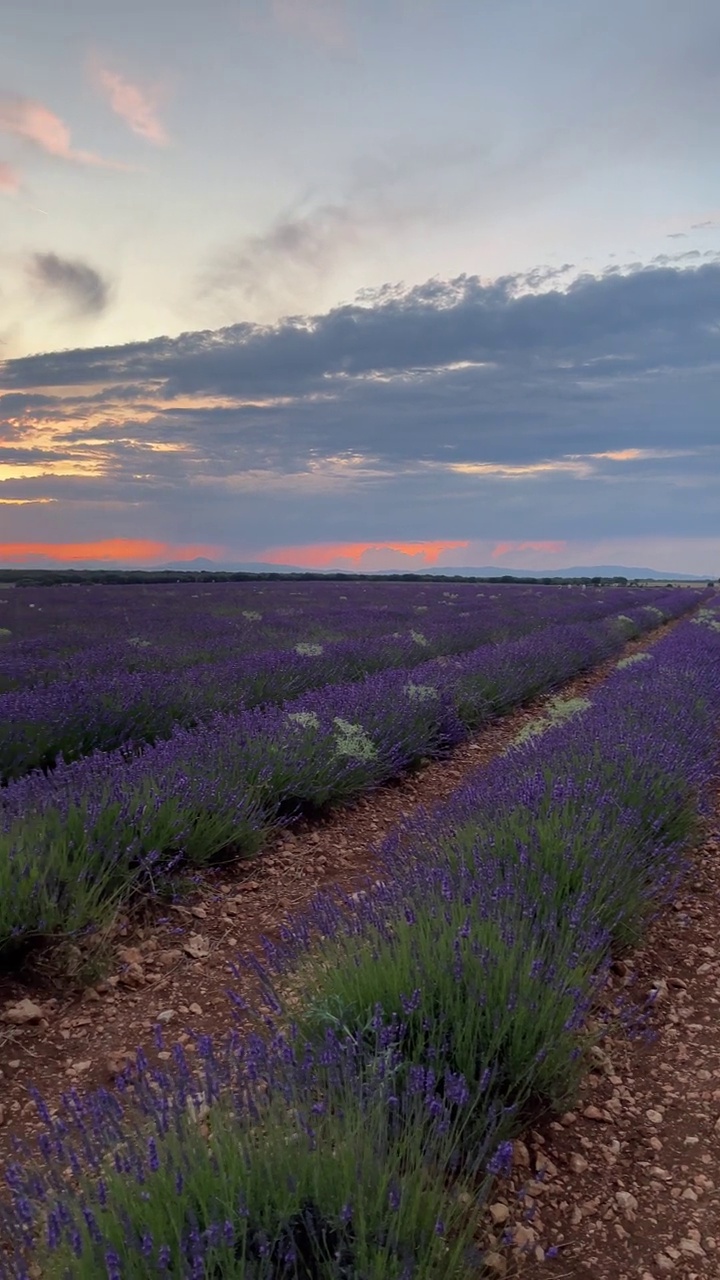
(356,1137)
(77,841)
(129,698)
(60,633)
(55,634)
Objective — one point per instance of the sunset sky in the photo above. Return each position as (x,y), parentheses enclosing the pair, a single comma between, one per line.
(360,283)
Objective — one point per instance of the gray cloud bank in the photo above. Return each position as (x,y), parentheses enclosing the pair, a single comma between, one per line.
(456,408)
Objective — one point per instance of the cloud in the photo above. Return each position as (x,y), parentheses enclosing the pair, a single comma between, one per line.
(358,553)
(133,103)
(76,282)
(408,186)
(122,550)
(322,21)
(531,409)
(9,178)
(504,549)
(35,123)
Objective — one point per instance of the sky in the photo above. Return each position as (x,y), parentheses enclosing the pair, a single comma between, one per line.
(360,283)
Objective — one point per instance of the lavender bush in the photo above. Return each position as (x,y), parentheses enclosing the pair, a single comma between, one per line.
(278,1162)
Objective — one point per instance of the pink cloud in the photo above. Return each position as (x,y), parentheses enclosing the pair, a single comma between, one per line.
(9,178)
(35,123)
(364,555)
(505,548)
(136,105)
(320,20)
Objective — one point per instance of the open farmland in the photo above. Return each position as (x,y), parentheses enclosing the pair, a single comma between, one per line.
(414,1030)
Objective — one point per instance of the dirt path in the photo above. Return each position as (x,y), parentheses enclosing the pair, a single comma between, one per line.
(627,1186)
(175,968)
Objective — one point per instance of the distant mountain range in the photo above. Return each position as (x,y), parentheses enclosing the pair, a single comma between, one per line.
(466,571)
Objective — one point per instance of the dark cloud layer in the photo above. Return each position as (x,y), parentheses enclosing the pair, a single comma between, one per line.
(76,282)
(653,314)
(523,407)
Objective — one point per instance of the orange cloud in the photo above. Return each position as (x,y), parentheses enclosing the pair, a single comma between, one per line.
(35,123)
(137,550)
(135,105)
(9,178)
(324,555)
(504,548)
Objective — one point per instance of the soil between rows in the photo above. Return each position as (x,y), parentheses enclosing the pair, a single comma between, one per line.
(85,1038)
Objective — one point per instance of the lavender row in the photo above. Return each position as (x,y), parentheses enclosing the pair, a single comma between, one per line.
(53,633)
(430,1014)
(90,831)
(71,718)
(65,633)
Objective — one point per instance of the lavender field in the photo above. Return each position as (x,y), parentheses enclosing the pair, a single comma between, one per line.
(145,729)
(356,1133)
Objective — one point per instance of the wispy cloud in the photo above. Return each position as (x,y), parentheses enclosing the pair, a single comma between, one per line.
(380,195)
(9,178)
(708,224)
(322,21)
(77,282)
(33,122)
(136,104)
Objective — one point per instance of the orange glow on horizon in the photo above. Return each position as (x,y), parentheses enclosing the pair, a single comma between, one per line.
(324,554)
(138,550)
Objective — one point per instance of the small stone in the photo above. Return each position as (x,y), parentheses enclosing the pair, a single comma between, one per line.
(524,1236)
(655,1117)
(578,1163)
(495,1262)
(133,976)
(196,1009)
(664,1263)
(167,1015)
(23,1014)
(692,1247)
(118,1062)
(626,1201)
(499,1213)
(594,1113)
(197,946)
(521,1155)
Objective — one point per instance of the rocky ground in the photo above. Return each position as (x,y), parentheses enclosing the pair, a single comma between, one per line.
(626,1187)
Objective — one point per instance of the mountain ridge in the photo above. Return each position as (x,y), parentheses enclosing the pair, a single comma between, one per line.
(201,563)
